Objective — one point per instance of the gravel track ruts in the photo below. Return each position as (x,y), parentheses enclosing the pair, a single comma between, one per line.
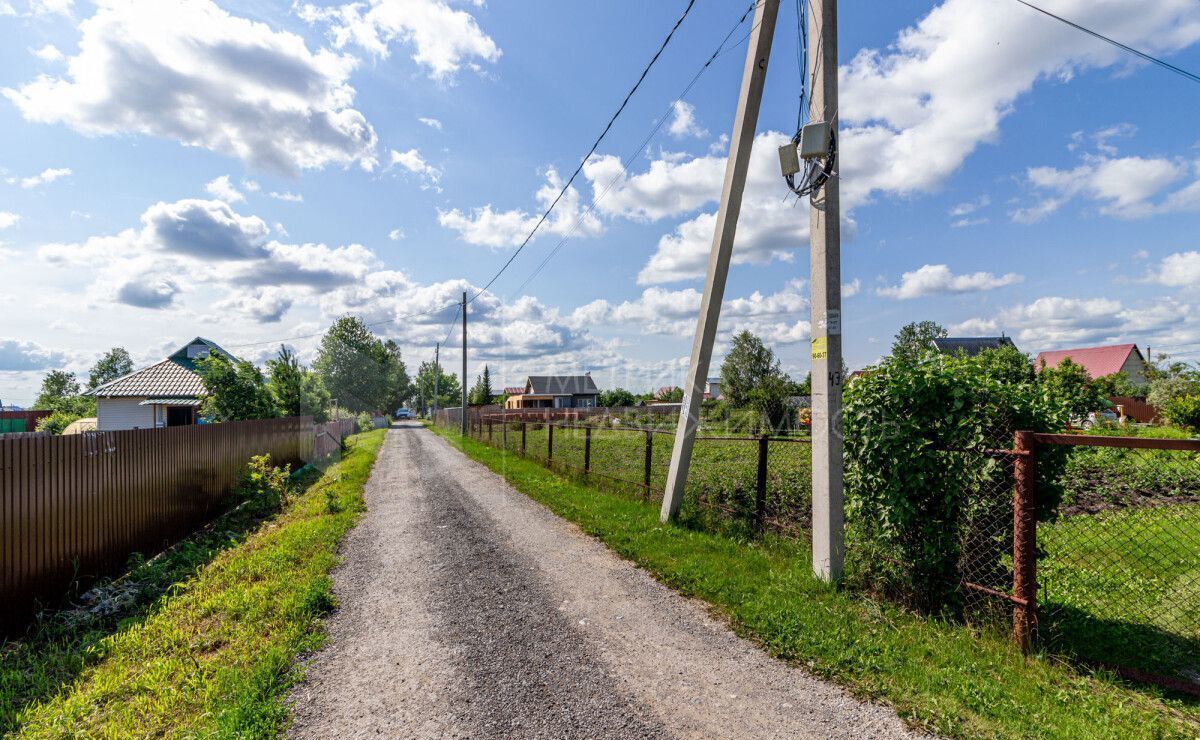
(468,610)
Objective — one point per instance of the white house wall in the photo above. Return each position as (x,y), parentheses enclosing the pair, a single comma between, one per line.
(1135,368)
(116,414)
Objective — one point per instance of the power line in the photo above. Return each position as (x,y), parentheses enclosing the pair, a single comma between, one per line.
(1152,59)
(591,151)
(720,51)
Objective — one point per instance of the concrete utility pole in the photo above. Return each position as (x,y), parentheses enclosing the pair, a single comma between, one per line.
(741,141)
(825,261)
(437,374)
(464,375)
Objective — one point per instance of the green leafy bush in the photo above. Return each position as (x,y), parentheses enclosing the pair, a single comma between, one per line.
(917,475)
(1184,411)
(365,422)
(264,487)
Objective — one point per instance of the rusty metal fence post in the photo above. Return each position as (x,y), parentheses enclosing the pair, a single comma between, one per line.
(649,460)
(504,433)
(489,431)
(587,449)
(549,441)
(1024,541)
(522,438)
(760,486)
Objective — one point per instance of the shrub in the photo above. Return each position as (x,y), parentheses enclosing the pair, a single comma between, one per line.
(56,422)
(265,487)
(1183,411)
(916,475)
(365,422)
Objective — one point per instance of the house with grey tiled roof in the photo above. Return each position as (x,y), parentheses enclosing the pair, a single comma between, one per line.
(165,394)
(555,392)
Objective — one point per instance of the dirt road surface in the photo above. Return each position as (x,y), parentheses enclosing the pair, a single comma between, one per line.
(468,610)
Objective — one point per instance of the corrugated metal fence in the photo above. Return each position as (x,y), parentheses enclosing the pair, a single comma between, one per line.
(77,506)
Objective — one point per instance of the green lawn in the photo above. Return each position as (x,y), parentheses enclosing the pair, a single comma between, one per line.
(723,474)
(940,676)
(1123,587)
(207,647)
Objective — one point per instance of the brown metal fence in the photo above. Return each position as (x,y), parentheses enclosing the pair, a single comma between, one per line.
(1110,576)
(759,482)
(75,507)
(327,437)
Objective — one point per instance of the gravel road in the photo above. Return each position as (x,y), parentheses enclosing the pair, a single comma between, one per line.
(468,610)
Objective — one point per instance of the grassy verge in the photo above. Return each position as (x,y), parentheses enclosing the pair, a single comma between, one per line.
(939,676)
(206,644)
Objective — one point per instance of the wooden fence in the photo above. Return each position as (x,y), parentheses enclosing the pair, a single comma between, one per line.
(327,437)
(75,507)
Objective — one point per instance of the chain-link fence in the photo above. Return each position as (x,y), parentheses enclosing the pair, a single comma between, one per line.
(750,482)
(1119,568)
(1089,547)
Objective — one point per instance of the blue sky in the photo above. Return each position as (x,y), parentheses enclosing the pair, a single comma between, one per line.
(247,171)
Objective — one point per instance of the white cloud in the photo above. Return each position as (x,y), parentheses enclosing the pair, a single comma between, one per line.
(265,305)
(1055,322)
(17,355)
(45,177)
(917,109)
(251,186)
(683,121)
(443,39)
(51,7)
(6,9)
(1123,187)
(286,196)
(670,186)
(852,288)
(431,123)
(939,280)
(971,206)
(9,219)
(778,317)
(193,73)
(48,53)
(491,228)
(396,234)
(1180,270)
(222,189)
(416,164)
(768,228)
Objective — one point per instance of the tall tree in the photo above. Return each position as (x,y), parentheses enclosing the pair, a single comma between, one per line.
(58,387)
(296,390)
(399,387)
(748,364)
(915,339)
(449,392)
(1068,387)
(234,390)
(481,392)
(113,364)
(355,366)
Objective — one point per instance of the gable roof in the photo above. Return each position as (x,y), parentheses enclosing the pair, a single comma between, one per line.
(514,390)
(970,345)
(1097,361)
(174,377)
(560,385)
(166,378)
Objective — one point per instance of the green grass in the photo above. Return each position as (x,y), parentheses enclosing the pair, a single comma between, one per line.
(724,472)
(208,646)
(940,676)
(1123,587)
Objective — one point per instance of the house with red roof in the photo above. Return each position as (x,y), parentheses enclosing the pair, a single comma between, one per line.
(1101,361)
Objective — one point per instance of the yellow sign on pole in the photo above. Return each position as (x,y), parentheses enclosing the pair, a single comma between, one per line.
(820,347)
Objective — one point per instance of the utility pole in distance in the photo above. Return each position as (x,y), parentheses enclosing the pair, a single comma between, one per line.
(825,262)
(741,142)
(464,375)
(437,374)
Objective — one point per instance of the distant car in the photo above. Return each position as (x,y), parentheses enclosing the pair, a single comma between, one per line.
(405,414)
(1106,416)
